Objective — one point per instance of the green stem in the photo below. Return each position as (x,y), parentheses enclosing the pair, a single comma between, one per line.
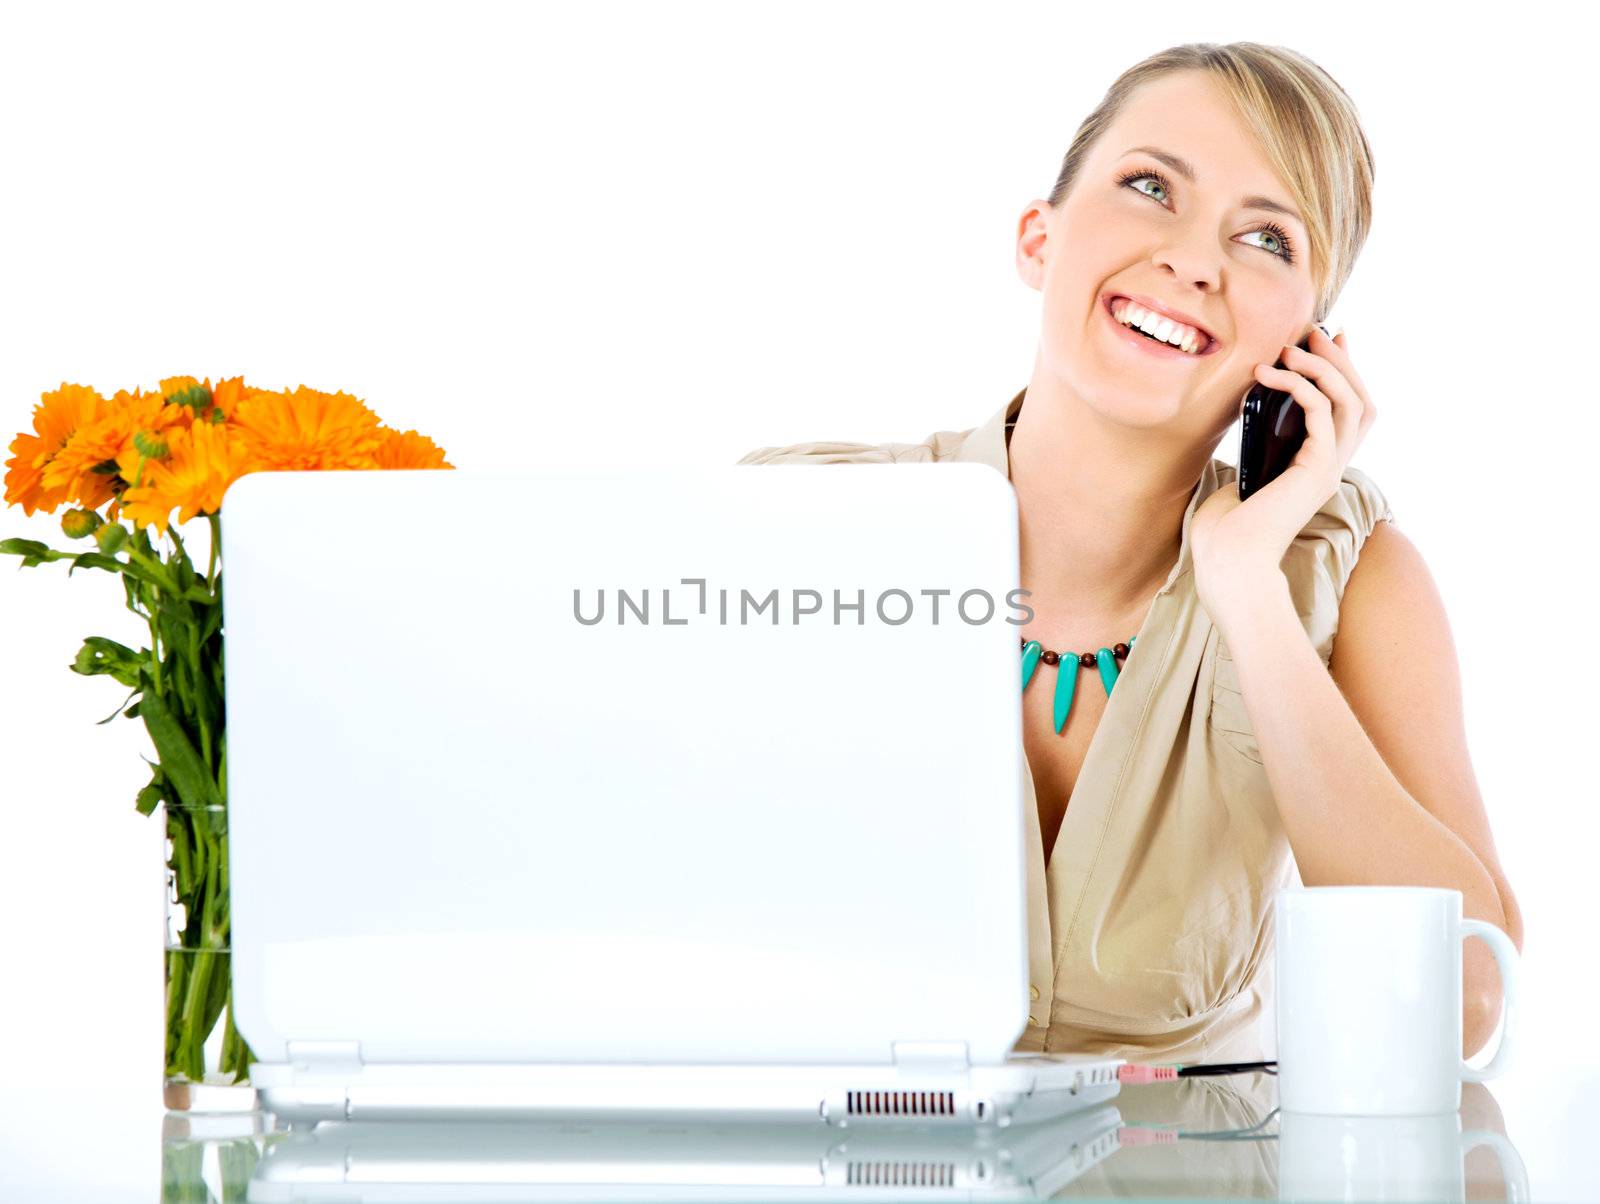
(182,866)
(214,902)
(177,984)
(150,596)
(153,566)
(199,981)
(198,676)
(216,999)
(231,1052)
(216,546)
(199,976)
(192,1040)
(155,653)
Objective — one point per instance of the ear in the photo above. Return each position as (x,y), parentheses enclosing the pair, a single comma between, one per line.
(1032,234)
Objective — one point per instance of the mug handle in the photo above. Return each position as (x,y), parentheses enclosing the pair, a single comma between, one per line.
(1505,957)
(1511,1166)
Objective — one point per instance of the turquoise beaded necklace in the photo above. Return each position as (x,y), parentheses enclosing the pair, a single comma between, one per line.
(1066,665)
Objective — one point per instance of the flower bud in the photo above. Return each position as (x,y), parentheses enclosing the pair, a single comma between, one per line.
(78,523)
(151,447)
(196,397)
(110,537)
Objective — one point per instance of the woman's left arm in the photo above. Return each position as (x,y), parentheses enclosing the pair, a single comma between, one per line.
(1367,757)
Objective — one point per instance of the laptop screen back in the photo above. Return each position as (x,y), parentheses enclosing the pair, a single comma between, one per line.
(469,825)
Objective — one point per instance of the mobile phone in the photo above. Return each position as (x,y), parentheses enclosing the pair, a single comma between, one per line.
(1274,428)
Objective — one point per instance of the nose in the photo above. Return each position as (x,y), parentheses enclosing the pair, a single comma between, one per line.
(1190,263)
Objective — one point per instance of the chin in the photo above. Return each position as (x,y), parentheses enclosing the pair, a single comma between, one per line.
(1144,409)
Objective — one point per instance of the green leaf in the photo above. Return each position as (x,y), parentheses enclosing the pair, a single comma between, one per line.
(149,798)
(180,763)
(100,655)
(131,712)
(205,706)
(183,688)
(178,626)
(32,551)
(139,573)
(96,560)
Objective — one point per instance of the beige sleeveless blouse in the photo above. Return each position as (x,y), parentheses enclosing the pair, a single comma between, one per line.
(1151,934)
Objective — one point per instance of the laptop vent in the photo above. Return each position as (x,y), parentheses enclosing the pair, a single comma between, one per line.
(901,1103)
(902,1174)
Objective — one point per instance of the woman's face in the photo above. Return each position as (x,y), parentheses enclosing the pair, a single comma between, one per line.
(1195,246)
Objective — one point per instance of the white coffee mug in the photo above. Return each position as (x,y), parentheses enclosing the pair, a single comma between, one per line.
(1369,1000)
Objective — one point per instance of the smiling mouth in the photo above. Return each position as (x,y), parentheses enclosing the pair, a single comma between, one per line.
(1113,303)
(1148,335)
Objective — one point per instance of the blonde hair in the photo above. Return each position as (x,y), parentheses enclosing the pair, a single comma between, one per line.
(1305,123)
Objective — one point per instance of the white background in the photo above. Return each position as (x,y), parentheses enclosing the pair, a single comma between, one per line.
(606,233)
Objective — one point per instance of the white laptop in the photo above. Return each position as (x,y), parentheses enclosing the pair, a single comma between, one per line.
(443,1161)
(562,793)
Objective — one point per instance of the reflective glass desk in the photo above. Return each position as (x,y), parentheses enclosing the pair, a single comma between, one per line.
(1198,1138)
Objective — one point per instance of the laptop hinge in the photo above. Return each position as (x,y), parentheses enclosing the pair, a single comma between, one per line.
(931,1055)
(325,1055)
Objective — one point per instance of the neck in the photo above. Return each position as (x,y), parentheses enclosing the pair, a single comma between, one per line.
(1100,510)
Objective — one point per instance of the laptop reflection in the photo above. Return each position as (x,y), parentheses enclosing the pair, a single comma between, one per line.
(545,1160)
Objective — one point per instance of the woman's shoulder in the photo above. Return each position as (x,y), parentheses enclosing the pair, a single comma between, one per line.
(1354,508)
(1321,557)
(1351,511)
(1332,538)
(827,451)
(941,445)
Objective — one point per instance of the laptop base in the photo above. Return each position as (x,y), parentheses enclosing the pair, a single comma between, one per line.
(1025,1088)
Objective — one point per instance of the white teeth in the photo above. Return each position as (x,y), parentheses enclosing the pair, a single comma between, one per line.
(1168,331)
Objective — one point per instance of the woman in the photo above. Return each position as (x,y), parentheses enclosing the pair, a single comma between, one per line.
(1228,188)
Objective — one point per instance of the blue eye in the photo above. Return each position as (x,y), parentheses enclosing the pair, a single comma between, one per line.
(1286,248)
(1145,175)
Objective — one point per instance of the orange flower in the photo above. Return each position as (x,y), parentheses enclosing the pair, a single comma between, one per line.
(409,450)
(88,451)
(174,385)
(202,461)
(56,418)
(307,429)
(229,393)
(104,440)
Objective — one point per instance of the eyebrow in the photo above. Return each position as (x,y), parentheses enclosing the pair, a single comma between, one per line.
(1183,167)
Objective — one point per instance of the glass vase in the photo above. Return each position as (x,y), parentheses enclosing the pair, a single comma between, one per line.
(207,1063)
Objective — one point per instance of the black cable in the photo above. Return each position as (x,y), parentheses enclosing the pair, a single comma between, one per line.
(1213,1068)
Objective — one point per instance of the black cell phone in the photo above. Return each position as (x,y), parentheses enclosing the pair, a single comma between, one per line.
(1274,428)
